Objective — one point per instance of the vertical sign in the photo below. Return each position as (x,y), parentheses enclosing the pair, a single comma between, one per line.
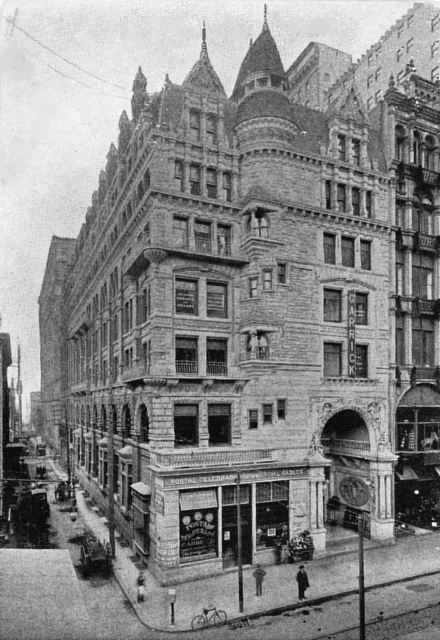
(351,334)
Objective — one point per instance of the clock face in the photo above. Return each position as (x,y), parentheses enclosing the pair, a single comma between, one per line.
(197,516)
(354,491)
(209,517)
(186,520)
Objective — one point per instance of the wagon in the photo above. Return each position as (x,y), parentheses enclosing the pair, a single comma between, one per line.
(94,553)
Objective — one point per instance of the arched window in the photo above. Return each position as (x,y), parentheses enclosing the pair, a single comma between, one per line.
(423,218)
(416,149)
(103,418)
(126,422)
(430,152)
(399,138)
(114,418)
(144,424)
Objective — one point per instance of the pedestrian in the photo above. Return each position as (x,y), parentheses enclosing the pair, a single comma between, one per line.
(259,574)
(140,587)
(303,583)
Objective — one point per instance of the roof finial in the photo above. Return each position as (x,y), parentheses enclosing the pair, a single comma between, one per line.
(265,18)
(204,47)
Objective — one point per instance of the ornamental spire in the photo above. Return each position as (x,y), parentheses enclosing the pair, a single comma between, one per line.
(204,51)
(265,26)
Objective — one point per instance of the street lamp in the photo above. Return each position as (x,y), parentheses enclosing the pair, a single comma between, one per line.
(239,550)
(361,578)
(172,601)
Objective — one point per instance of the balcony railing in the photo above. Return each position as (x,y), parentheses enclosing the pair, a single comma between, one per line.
(201,459)
(187,367)
(223,247)
(345,444)
(202,243)
(217,368)
(262,353)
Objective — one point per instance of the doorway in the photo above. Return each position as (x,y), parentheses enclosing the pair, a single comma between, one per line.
(230,535)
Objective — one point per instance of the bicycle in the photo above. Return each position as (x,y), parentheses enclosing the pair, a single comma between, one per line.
(210,616)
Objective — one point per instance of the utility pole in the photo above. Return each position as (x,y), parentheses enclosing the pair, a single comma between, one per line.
(361,578)
(111,484)
(69,473)
(239,550)
(19,392)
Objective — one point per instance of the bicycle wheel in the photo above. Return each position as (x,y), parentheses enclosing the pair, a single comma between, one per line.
(218,617)
(198,622)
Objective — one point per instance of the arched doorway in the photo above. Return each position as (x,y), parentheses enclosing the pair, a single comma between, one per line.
(144,424)
(417,477)
(346,443)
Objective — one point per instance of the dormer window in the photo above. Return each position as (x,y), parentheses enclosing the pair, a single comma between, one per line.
(263,82)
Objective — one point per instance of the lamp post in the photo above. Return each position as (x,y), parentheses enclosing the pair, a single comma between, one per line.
(172,601)
(110,446)
(239,550)
(361,578)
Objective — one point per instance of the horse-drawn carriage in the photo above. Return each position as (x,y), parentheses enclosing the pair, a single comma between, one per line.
(94,553)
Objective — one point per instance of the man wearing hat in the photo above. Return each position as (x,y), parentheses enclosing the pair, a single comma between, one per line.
(303,582)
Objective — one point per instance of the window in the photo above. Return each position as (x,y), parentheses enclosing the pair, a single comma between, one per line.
(370,80)
(329,248)
(416,149)
(146,355)
(400,344)
(186,296)
(128,316)
(281,273)
(430,152)
(356,201)
(211,183)
(253,418)
(356,151)
(267,413)
(435,74)
(281,409)
(267,280)
(194,124)
(399,273)
(365,246)
(347,249)
(145,305)
(361,308)
(328,194)
(342,154)
(422,221)
(128,358)
(216,300)
(399,53)
(258,225)
(223,240)
(144,424)
(227,186)
(361,361)
(435,48)
(202,236)
(435,22)
(332,359)
(178,175)
(216,356)
(409,45)
(332,305)
(377,74)
(211,129)
(180,231)
(186,425)
(423,342)
(370,103)
(194,179)
(219,424)
(186,355)
(253,287)
(341,197)
(422,275)
(368,200)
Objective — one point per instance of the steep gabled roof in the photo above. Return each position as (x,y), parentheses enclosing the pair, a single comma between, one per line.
(202,74)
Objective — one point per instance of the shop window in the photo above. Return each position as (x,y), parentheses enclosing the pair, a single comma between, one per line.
(267,413)
(361,308)
(229,494)
(329,248)
(178,175)
(253,287)
(347,249)
(216,300)
(356,151)
(365,250)
(211,129)
(198,525)
(423,342)
(180,231)
(356,201)
(219,424)
(216,356)
(281,409)
(281,272)
(186,425)
(186,356)
(227,191)
(186,296)
(361,361)
(332,305)
(342,197)
(422,276)
(194,124)
(342,152)
(428,429)
(194,179)
(405,419)
(253,418)
(272,513)
(211,183)
(332,359)
(267,280)
(223,240)
(202,235)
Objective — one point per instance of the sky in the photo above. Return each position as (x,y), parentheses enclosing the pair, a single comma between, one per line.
(66,72)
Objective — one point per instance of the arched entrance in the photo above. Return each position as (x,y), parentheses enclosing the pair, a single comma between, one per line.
(346,443)
(417,477)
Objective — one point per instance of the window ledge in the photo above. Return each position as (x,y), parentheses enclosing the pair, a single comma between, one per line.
(345,380)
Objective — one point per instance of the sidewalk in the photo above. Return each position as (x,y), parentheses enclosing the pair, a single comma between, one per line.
(329,576)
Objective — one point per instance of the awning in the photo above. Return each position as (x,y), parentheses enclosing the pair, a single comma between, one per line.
(408,473)
(203,499)
(141,488)
(126,452)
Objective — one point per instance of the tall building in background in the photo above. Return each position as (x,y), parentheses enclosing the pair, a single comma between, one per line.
(53,318)
(5,362)
(36,414)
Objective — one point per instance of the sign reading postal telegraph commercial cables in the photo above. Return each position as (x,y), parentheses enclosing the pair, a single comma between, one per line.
(351,334)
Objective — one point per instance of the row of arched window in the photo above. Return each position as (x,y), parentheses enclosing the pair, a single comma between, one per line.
(87,421)
(421,152)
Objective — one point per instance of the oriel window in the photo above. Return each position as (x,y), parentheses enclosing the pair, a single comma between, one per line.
(267,280)
(281,272)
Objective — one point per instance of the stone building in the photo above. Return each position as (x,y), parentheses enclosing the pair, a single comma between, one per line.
(319,70)
(228,319)
(36,416)
(53,315)
(410,115)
